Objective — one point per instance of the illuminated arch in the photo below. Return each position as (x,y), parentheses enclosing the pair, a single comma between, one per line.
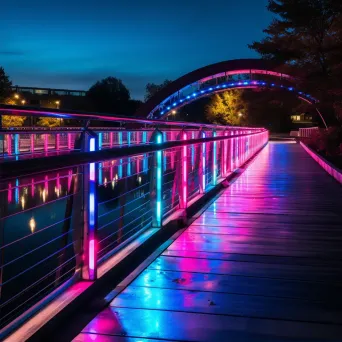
(215,78)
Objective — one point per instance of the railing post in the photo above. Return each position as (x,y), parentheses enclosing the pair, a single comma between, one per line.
(202,166)
(183,182)
(57,141)
(46,140)
(156,190)
(16,144)
(90,204)
(224,156)
(214,165)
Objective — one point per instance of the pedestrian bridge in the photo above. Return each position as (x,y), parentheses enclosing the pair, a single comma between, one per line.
(169,231)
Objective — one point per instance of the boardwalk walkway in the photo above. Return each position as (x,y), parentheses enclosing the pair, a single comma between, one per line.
(262,263)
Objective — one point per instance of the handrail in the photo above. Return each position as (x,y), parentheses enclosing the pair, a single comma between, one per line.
(14,169)
(29,111)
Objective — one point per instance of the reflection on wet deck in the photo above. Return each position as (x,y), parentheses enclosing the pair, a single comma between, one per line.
(262,263)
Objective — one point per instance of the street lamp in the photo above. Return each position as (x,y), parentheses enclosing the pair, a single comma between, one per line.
(23,102)
(16,96)
(240,114)
(57,104)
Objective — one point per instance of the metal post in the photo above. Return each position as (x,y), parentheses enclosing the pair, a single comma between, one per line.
(156,190)
(202,166)
(46,141)
(57,141)
(183,182)
(214,165)
(90,181)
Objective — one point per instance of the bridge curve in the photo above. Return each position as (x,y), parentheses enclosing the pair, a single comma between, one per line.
(183,90)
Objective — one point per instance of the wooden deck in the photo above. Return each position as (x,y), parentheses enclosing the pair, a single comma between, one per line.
(262,263)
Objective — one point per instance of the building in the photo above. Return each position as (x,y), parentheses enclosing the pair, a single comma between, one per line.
(51,98)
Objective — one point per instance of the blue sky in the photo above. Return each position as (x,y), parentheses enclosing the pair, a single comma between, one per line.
(72,44)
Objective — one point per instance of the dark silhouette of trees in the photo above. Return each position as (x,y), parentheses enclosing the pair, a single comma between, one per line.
(308,34)
(152,88)
(5,86)
(109,95)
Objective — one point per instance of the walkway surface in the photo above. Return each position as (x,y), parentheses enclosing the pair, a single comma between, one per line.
(262,263)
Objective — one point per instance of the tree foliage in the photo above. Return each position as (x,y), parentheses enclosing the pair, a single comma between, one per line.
(49,122)
(5,97)
(152,88)
(109,95)
(227,108)
(307,34)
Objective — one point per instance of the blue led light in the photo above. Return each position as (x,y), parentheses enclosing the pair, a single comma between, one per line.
(218,87)
(224,86)
(290,88)
(180,101)
(188,97)
(300,93)
(202,91)
(168,108)
(245,83)
(232,84)
(174,104)
(272,84)
(162,113)
(194,94)
(210,89)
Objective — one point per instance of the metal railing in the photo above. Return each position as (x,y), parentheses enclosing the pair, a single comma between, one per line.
(63,216)
(307,132)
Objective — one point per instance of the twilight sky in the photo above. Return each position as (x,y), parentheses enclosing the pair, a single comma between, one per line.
(73,43)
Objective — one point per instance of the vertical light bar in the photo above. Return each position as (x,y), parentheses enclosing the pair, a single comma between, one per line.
(184,189)
(57,141)
(159,183)
(32,143)
(69,140)
(120,161)
(203,163)
(9,194)
(214,160)
(100,140)
(16,145)
(46,142)
(193,152)
(225,152)
(9,144)
(129,170)
(145,155)
(111,139)
(91,214)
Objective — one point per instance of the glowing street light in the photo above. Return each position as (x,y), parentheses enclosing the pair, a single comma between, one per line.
(16,96)
(240,114)
(174,112)
(23,102)
(57,104)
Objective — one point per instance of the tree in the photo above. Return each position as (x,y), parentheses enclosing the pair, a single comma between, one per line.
(6,98)
(109,95)
(152,88)
(227,108)
(307,34)
(49,122)
(5,86)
